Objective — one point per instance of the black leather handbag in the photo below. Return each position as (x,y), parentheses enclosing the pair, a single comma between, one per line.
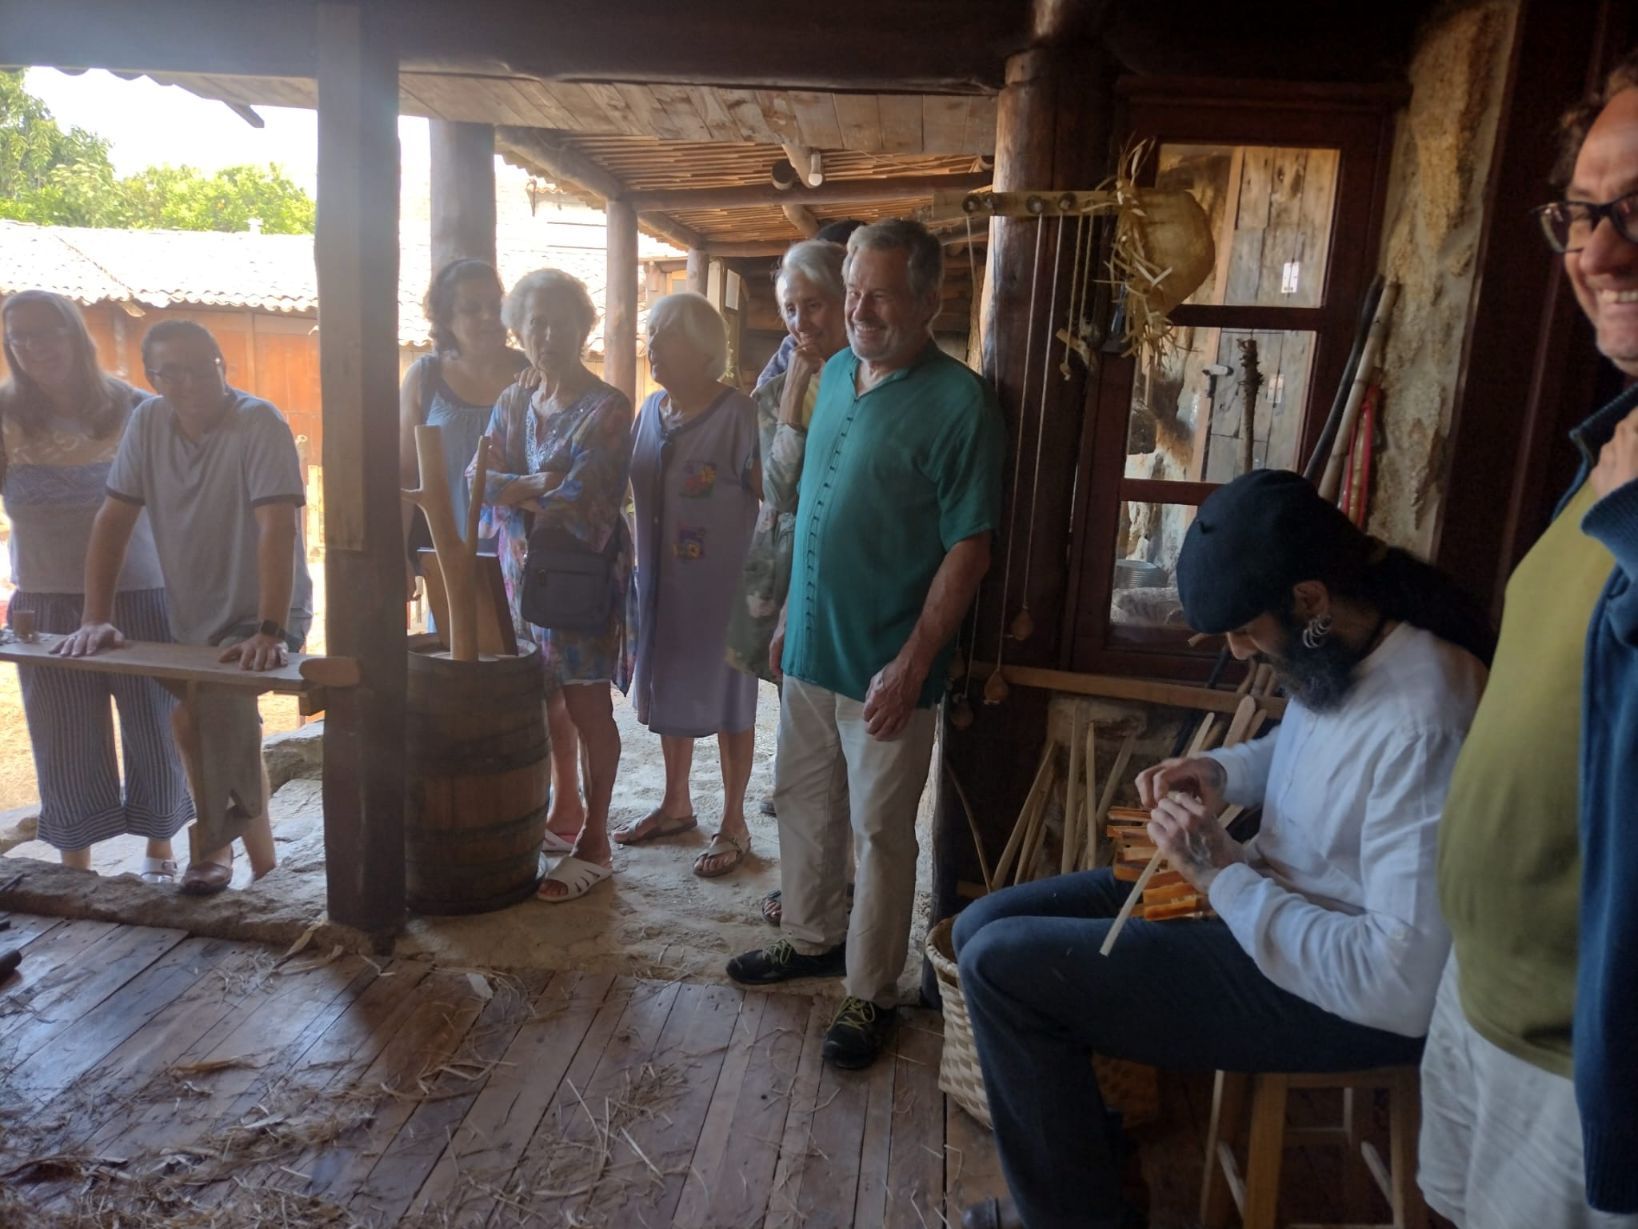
(567,586)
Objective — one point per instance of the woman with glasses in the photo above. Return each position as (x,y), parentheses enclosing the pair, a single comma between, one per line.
(560,449)
(61,420)
(696,482)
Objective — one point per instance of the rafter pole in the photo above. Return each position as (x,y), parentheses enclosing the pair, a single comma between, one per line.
(831,192)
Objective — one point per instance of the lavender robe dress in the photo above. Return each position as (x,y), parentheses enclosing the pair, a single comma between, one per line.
(696,508)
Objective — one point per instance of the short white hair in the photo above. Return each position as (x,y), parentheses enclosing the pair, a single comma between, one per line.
(693,316)
(548,283)
(817,261)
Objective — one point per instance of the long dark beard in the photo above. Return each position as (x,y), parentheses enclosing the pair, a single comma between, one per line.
(1321,678)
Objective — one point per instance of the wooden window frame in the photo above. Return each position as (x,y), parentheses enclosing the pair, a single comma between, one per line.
(1357,121)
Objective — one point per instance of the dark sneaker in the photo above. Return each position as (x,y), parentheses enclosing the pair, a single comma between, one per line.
(766,806)
(780,961)
(857,1034)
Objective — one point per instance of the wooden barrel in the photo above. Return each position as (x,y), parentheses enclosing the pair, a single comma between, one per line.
(478,774)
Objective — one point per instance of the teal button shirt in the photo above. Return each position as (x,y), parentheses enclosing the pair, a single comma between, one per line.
(891,481)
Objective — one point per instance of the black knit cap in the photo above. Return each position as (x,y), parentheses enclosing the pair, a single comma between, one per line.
(1256,537)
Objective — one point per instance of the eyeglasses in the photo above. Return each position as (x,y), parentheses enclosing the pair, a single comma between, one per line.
(40,337)
(1569,225)
(181,373)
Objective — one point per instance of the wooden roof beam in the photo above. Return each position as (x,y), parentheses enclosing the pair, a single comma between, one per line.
(831,192)
(801,217)
(536,151)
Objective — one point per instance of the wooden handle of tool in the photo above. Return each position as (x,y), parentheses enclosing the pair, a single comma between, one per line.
(456,563)
(474,504)
(1369,360)
(1131,903)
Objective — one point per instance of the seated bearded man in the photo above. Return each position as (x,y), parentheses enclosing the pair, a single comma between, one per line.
(1328,942)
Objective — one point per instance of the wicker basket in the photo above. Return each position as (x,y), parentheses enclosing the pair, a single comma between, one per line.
(1131,1088)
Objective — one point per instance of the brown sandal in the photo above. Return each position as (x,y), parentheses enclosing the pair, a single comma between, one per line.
(652,827)
(733,848)
(205,879)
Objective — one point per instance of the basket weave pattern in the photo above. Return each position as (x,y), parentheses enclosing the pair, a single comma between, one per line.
(1131,1088)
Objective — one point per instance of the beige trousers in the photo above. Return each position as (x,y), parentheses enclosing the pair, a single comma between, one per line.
(831,776)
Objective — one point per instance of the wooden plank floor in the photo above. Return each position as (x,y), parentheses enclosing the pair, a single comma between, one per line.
(148,1078)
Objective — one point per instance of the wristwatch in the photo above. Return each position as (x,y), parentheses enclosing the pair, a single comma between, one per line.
(270,628)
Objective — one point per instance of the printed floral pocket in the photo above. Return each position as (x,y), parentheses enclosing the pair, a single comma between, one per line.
(690,543)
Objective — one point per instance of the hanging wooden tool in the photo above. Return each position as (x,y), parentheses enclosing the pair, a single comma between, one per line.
(1370,360)
(1251,382)
(455,557)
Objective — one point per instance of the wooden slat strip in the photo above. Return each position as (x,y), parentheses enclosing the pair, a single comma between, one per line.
(95,1031)
(85,963)
(785,1207)
(404,1165)
(694,1045)
(870,1204)
(496,1131)
(23,930)
(587,1111)
(588,113)
(721,125)
(779,113)
(97,1096)
(645,110)
(915,1163)
(738,1150)
(972,1170)
(745,108)
(980,127)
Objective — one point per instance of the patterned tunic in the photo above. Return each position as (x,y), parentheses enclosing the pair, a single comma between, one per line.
(589,444)
(696,507)
(766,578)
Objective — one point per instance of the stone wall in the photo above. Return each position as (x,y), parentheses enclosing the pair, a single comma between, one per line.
(1441,163)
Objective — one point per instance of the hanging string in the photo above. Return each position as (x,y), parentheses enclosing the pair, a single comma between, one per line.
(1071,315)
(996,689)
(1040,431)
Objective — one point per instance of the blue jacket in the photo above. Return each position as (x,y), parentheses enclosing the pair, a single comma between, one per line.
(1605,1031)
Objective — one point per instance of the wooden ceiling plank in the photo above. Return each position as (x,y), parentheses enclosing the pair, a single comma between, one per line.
(944,123)
(832,191)
(980,138)
(816,119)
(901,123)
(614,104)
(678,106)
(718,122)
(745,108)
(642,105)
(542,106)
(588,114)
(860,117)
(511,105)
(780,116)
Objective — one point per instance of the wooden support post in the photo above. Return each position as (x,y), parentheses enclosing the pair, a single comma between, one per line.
(357,250)
(620,318)
(1052,131)
(801,217)
(699,268)
(463,192)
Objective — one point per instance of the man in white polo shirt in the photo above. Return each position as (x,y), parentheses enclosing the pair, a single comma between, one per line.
(217,471)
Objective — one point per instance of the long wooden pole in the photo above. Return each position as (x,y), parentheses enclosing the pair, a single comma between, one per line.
(1369,360)
(455,559)
(620,319)
(357,261)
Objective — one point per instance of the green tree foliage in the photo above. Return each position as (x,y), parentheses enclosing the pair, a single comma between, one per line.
(63,178)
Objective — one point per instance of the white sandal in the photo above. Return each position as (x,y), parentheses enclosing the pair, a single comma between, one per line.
(555,846)
(575,874)
(158,871)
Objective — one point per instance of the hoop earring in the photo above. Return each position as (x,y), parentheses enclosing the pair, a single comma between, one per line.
(1317,631)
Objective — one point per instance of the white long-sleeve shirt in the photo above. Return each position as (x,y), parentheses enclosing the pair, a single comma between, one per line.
(1337,901)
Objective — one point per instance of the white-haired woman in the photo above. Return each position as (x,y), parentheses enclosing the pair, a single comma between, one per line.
(560,449)
(696,482)
(809,291)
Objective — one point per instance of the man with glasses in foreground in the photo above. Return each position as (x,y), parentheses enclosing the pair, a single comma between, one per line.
(1538,859)
(217,471)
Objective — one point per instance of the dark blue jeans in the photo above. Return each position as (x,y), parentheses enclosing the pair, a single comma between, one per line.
(1182,995)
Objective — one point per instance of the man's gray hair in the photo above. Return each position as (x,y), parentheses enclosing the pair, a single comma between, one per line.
(817,261)
(693,316)
(549,282)
(899,234)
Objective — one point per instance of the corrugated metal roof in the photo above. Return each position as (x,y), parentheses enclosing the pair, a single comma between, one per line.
(274,273)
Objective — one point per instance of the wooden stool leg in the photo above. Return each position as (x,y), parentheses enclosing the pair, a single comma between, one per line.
(1356,1177)
(1404,1119)
(1264,1152)
(1228,1100)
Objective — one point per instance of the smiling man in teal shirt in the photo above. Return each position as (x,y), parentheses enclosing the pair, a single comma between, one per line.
(900,493)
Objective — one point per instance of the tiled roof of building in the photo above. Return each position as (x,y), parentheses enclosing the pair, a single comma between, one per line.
(274,273)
